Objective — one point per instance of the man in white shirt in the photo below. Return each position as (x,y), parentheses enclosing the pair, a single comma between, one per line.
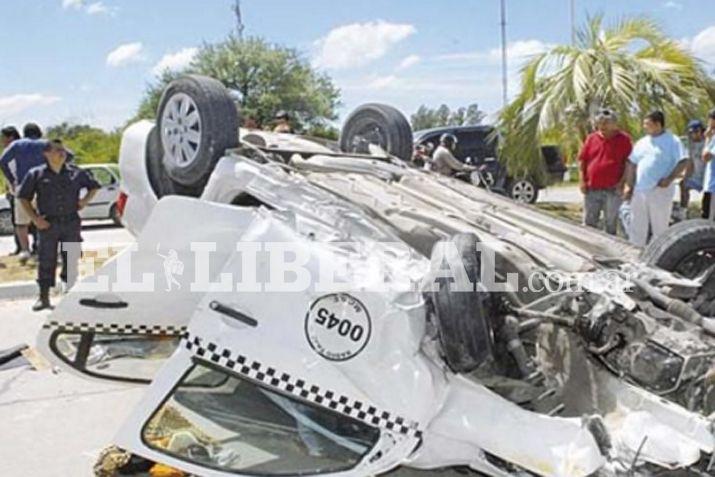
(657,161)
(443,160)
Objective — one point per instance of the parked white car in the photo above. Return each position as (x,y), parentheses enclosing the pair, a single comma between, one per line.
(6,227)
(612,378)
(104,206)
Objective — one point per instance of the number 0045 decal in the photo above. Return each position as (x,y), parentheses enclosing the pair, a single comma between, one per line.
(338,327)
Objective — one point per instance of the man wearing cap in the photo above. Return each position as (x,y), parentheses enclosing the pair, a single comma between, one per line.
(56,186)
(283,125)
(603,161)
(695,172)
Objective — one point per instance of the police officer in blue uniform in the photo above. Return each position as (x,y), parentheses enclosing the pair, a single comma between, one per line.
(56,186)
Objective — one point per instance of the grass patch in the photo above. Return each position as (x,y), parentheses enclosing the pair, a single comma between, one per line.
(11,270)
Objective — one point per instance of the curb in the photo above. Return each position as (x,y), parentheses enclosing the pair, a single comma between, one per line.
(17,290)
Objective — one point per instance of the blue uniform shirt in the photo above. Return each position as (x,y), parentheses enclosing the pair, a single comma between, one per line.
(21,156)
(656,158)
(57,194)
(710,168)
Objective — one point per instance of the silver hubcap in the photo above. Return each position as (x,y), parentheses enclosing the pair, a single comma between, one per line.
(523,191)
(6,223)
(181,130)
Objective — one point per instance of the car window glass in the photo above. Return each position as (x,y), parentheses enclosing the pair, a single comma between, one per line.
(246,429)
(120,357)
(103,176)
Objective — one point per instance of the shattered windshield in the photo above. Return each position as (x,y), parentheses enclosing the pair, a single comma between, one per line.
(122,357)
(222,422)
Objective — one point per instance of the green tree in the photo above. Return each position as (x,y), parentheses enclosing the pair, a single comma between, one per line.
(631,67)
(427,118)
(267,78)
(89,144)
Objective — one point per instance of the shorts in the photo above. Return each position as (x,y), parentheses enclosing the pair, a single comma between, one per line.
(692,183)
(22,219)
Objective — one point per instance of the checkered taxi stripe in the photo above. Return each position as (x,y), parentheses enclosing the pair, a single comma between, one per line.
(115,328)
(258,372)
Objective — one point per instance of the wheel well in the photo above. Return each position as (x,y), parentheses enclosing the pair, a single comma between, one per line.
(245,199)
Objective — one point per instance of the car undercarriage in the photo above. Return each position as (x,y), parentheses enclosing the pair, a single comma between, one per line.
(570,353)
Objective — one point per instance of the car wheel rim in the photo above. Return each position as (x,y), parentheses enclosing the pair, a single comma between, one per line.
(695,264)
(6,223)
(523,191)
(368,134)
(181,130)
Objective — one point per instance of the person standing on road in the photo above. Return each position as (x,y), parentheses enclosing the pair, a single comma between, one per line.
(657,161)
(709,159)
(603,159)
(56,185)
(695,172)
(8,135)
(15,162)
(283,125)
(443,160)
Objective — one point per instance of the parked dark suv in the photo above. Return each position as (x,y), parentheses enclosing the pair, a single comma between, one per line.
(478,146)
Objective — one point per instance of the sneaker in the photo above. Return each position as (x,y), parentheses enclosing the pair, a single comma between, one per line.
(63,288)
(24,256)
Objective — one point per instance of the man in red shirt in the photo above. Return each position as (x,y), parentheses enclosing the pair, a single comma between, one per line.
(603,160)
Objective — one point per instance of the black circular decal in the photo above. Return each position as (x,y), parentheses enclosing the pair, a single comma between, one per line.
(338,327)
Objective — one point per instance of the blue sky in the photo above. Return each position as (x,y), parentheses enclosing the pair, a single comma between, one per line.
(90,60)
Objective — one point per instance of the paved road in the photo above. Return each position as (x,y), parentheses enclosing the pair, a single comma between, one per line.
(95,234)
(54,423)
(572,195)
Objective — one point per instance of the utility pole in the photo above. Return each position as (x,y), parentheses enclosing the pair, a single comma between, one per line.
(239,19)
(504,65)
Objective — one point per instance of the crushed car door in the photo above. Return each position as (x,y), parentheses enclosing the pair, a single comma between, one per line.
(292,381)
(125,320)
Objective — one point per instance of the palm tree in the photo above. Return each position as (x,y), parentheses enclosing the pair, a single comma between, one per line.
(631,67)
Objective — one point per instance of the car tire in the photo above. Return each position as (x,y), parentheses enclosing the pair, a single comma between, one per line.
(378,124)
(465,332)
(681,248)
(160,182)
(6,227)
(524,191)
(197,122)
(688,249)
(114,215)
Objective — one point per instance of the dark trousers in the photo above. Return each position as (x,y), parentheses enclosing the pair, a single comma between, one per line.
(708,206)
(63,233)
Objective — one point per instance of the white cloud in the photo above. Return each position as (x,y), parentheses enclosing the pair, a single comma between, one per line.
(358,44)
(175,61)
(382,82)
(409,62)
(703,45)
(673,5)
(98,8)
(518,51)
(14,104)
(73,4)
(94,8)
(125,54)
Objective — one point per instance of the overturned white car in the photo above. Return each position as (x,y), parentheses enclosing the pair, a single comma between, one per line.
(301,308)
